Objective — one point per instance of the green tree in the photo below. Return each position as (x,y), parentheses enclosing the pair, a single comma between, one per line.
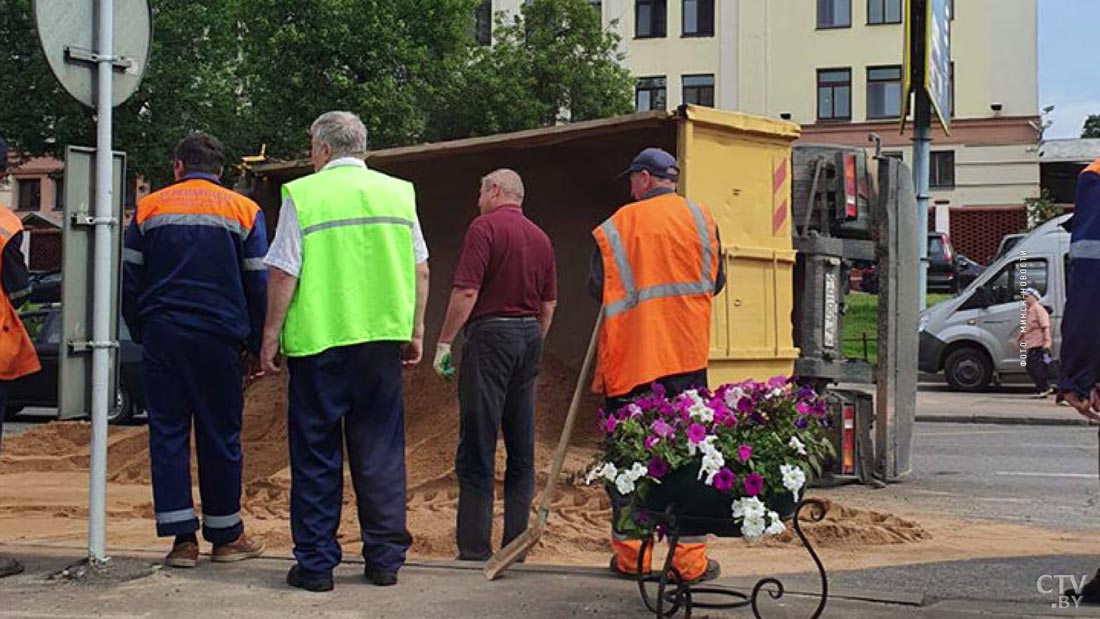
(1040,209)
(1092,127)
(553,63)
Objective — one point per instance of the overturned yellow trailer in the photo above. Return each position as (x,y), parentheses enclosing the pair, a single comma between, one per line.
(738,165)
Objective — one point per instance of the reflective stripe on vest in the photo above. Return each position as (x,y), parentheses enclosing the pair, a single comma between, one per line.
(358,221)
(626,273)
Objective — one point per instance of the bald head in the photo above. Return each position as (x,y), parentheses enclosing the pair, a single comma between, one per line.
(500,187)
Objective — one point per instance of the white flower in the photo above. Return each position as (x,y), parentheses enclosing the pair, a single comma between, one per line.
(609,472)
(637,471)
(693,395)
(749,506)
(733,396)
(752,527)
(773,393)
(777,526)
(797,445)
(707,446)
(592,475)
(634,410)
(701,412)
(624,484)
(793,479)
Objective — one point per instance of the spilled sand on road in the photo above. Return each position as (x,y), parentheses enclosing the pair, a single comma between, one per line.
(43,481)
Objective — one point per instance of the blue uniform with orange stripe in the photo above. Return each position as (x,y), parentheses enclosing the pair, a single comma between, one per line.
(195,294)
(1080,335)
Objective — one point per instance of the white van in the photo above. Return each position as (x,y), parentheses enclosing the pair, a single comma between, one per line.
(971,338)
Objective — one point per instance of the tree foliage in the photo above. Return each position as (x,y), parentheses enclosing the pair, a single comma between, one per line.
(255,72)
(1092,127)
(1041,209)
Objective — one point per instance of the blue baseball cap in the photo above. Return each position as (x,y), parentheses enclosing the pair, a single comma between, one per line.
(657,162)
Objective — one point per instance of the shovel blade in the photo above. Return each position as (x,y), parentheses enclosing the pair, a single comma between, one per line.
(514,551)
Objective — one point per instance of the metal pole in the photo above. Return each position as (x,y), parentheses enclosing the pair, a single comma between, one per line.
(101,296)
(922,155)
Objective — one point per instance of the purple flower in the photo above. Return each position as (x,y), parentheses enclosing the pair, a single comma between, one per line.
(662,429)
(754,483)
(778,382)
(611,424)
(658,468)
(651,440)
(803,408)
(724,480)
(658,390)
(801,423)
(745,405)
(824,421)
(634,411)
(744,452)
(696,433)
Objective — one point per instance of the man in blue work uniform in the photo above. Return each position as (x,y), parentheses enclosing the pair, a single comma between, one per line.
(194,295)
(349,283)
(1080,379)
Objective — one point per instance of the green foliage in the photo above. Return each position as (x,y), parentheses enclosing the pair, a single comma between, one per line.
(256,72)
(1040,209)
(1091,128)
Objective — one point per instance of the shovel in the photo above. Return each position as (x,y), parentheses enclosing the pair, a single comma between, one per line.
(519,546)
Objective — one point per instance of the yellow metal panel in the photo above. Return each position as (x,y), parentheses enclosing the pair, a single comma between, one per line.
(739,166)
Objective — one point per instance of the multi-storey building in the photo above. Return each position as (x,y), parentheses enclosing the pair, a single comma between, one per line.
(834,67)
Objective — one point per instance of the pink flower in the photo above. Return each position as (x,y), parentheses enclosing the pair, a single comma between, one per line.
(803,408)
(724,480)
(777,382)
(662,429)
(744,405)
(744,452)
(696,433)
(754,483)
(658,468)
(651,440)
(611,424)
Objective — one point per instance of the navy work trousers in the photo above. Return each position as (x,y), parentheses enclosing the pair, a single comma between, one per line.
(352,395)
(190,375)
(496,393)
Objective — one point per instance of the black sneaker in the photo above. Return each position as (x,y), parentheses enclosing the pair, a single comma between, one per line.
(380,579)
(9,567)
(1090,593)
(315,583)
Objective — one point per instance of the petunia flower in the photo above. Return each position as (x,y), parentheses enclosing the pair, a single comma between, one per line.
(744,452)
(662,429)
(651,440)
(724,480)
(754,484)
(612,423)
(658,468)
(696,433)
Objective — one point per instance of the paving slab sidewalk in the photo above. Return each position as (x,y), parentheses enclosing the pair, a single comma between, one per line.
(256,589)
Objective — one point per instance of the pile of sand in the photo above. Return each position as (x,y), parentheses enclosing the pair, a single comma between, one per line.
(581,514)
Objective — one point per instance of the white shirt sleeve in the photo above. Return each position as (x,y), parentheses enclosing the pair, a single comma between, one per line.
(285,252)
(420,248)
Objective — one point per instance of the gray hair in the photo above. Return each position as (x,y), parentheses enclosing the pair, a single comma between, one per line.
(343,132)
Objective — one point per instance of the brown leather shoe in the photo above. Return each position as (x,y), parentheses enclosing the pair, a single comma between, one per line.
(238,550)
(183,554)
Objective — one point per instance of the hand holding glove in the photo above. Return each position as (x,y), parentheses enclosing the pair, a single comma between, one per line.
(442,363)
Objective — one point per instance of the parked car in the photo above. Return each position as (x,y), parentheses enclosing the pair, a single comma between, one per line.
(45,287)
(40,389)
(968,270)
(972,338)
(943,271)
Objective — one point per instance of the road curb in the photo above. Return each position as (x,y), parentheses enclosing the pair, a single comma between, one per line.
(1005,421)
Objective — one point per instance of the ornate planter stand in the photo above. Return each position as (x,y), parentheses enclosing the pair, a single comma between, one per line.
(674,595)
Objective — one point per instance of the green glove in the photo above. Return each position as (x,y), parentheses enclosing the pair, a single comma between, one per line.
(442,363)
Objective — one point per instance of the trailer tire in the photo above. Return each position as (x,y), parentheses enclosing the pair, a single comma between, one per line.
(969,369)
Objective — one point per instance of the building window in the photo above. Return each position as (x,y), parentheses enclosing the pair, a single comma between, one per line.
(834,13)
(29,193)
(698,18)
(894,154)
(834,94)
(699,90)
(483,28)
(942,171)
(650,18)
(650,93)
(883,12)
(883,92)
(59,194)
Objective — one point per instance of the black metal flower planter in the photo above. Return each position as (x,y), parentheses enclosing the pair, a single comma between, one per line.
(674,595)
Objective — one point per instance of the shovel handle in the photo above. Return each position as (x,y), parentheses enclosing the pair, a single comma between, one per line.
(570,418)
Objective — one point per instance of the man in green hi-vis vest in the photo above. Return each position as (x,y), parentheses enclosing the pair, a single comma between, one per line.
(346,296)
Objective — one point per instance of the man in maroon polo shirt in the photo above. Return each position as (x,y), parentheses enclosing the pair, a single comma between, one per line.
(505,291)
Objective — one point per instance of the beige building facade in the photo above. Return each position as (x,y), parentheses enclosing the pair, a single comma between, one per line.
(834,67)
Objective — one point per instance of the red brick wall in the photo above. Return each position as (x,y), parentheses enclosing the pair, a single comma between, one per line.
(976,231)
